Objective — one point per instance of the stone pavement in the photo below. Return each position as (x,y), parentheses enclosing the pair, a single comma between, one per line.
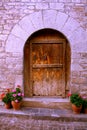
(41,119)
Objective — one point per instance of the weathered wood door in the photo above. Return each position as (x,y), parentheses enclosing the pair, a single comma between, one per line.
(44,64)
(44,68)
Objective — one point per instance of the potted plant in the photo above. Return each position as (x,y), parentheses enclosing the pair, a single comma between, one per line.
(6,98)
(85,106)
(77,102)
(84,110)
(16,97)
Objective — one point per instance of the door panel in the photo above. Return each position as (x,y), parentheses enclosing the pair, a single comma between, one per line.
(48,69)
(47,82)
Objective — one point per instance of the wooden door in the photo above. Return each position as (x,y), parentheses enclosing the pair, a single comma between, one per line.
(44,68)
(48,69)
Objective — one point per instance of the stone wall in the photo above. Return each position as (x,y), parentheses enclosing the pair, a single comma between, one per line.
(20,18)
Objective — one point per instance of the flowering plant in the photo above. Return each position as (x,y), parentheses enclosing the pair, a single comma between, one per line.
(16,94)
(6,96)
(76,99)
(84,101)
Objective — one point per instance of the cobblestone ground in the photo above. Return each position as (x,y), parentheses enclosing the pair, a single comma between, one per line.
(41,119)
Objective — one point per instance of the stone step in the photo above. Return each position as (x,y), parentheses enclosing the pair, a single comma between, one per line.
(43,102)
(29,118)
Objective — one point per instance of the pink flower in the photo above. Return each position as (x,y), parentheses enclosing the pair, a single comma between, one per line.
(19,94)
(13,90)
(84,97)
(16,100)
(22,94)
(14,95)
(18,86)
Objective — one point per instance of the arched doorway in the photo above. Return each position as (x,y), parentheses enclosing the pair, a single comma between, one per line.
(46,64)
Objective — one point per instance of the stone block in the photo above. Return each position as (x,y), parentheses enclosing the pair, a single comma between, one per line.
(79,36)
(42,6)
(19,32)
(36,20)
(12,46)
(19,80)
(79,80)
(65,1)
(76,1)
(58,6)
(3,37)
(46,1)
(27,25)
(70,26)
(76,67)
(60,20)
(49,17)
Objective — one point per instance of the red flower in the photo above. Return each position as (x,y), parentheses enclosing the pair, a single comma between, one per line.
(2,95)
(69,94)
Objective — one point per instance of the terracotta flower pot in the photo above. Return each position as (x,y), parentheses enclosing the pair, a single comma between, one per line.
(16,105)
(8,105)
(85,110)
(76,109)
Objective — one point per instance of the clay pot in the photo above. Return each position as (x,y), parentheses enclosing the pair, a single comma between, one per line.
(8,106)
(76,109)
(16,105)
(85,110)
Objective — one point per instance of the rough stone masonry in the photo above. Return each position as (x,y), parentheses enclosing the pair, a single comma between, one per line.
(18,20)
(70,17)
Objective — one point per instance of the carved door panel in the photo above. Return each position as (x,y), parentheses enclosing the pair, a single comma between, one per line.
(47,70)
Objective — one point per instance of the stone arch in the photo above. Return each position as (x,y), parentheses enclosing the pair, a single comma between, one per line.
(39,20)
